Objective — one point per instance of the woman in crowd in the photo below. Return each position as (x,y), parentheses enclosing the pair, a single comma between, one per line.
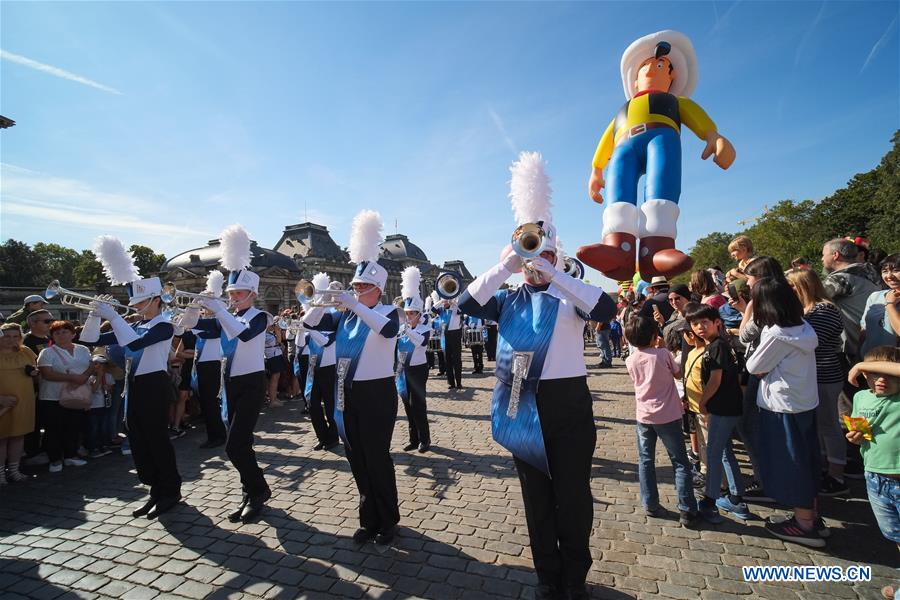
(703,285)
(17,370)
(828,324)
(788,449)
(275,363)
(63,364)
(881,317)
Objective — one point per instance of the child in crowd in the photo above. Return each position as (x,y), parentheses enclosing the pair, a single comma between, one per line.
(658,414)
(693,389)
(788,449)
(880,449)
(720,409)
(98,433)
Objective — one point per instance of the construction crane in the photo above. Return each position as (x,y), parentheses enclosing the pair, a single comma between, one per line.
(743,222)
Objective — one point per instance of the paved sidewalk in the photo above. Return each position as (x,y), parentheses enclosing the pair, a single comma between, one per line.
(463,532)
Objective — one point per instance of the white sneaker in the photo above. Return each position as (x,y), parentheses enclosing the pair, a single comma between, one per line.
(55,467)
(74,462)
(37,460)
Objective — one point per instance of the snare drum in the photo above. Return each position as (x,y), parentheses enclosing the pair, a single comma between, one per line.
(474,337)
(434,343)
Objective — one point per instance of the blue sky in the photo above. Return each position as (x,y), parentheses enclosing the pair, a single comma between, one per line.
(163,123)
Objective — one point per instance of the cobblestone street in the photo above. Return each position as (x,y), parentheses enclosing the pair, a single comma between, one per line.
(462,535)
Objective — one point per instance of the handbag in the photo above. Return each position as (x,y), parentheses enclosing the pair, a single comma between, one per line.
(74,396)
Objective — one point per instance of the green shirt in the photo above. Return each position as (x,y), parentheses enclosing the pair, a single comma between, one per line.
(882,454)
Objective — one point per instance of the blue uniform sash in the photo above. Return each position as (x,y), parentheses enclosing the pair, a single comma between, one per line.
(405,349)
(351,338)
(319,352)
(229,347)
(198,352)
(132,362)
(526,326)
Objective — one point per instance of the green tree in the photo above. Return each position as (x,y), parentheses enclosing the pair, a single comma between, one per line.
(58,262)
(712,251)
(20,266)
(89,272)
(147,261)
(884,231)
(786,231)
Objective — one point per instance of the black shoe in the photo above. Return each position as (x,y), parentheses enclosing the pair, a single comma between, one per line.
(385,538)
(832,487)
(424,447)
(254,506)
(235,516)
(140,512)
(410,446)
(653,512)
(364,535)
(211,444)
(690,520)
(332,445)
(755,493)
(163,505)
(319,446)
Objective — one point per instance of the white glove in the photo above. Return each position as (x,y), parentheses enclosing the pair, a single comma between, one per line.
(104,310)
(542,265)
(189,317)
(512,262)
(347,301)
(213,305)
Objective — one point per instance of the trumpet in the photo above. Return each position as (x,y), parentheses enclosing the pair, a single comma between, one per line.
(308,295)
(171,294)
(83,301)
(292,325)
(573,267)
(448,285)
(173,314)
(528,241)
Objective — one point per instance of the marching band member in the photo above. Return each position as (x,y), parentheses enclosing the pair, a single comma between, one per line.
(366,399)
(412,368)
(541,407)
(477,348)
(320,380)
(148,390)
(243,346)
(490,339)
(206,378)
(449,316)
(435,325)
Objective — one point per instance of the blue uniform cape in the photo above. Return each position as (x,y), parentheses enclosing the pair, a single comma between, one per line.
(526,323)
(349,343)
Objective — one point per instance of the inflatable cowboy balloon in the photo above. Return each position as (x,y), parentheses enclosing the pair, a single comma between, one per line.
(659,73)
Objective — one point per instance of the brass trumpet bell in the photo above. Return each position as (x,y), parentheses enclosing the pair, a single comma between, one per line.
(448,285)
(528,240)
(308,295)
(573,267)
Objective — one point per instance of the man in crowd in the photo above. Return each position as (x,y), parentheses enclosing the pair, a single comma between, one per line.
(37,338)
(29,305)
(848,284)
(658,296)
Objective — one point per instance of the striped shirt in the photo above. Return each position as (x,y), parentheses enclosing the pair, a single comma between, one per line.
(827,322)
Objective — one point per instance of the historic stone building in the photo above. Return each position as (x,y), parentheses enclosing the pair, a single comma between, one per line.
(302,251)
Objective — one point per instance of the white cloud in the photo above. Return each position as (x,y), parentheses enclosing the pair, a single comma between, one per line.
(498,122)
(49,200)
(879,44)
(55,71)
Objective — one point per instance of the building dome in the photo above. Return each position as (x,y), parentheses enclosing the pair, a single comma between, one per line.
(208,258)
(398,247)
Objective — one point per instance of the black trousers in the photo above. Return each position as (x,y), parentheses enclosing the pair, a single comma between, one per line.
(62,427)
(147,423)
(246,394)
(490,346)
(559,510)
(453,358)
(303,361)
(478,357)
(321,405)
(208,379)
(415,406)
(369,415)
